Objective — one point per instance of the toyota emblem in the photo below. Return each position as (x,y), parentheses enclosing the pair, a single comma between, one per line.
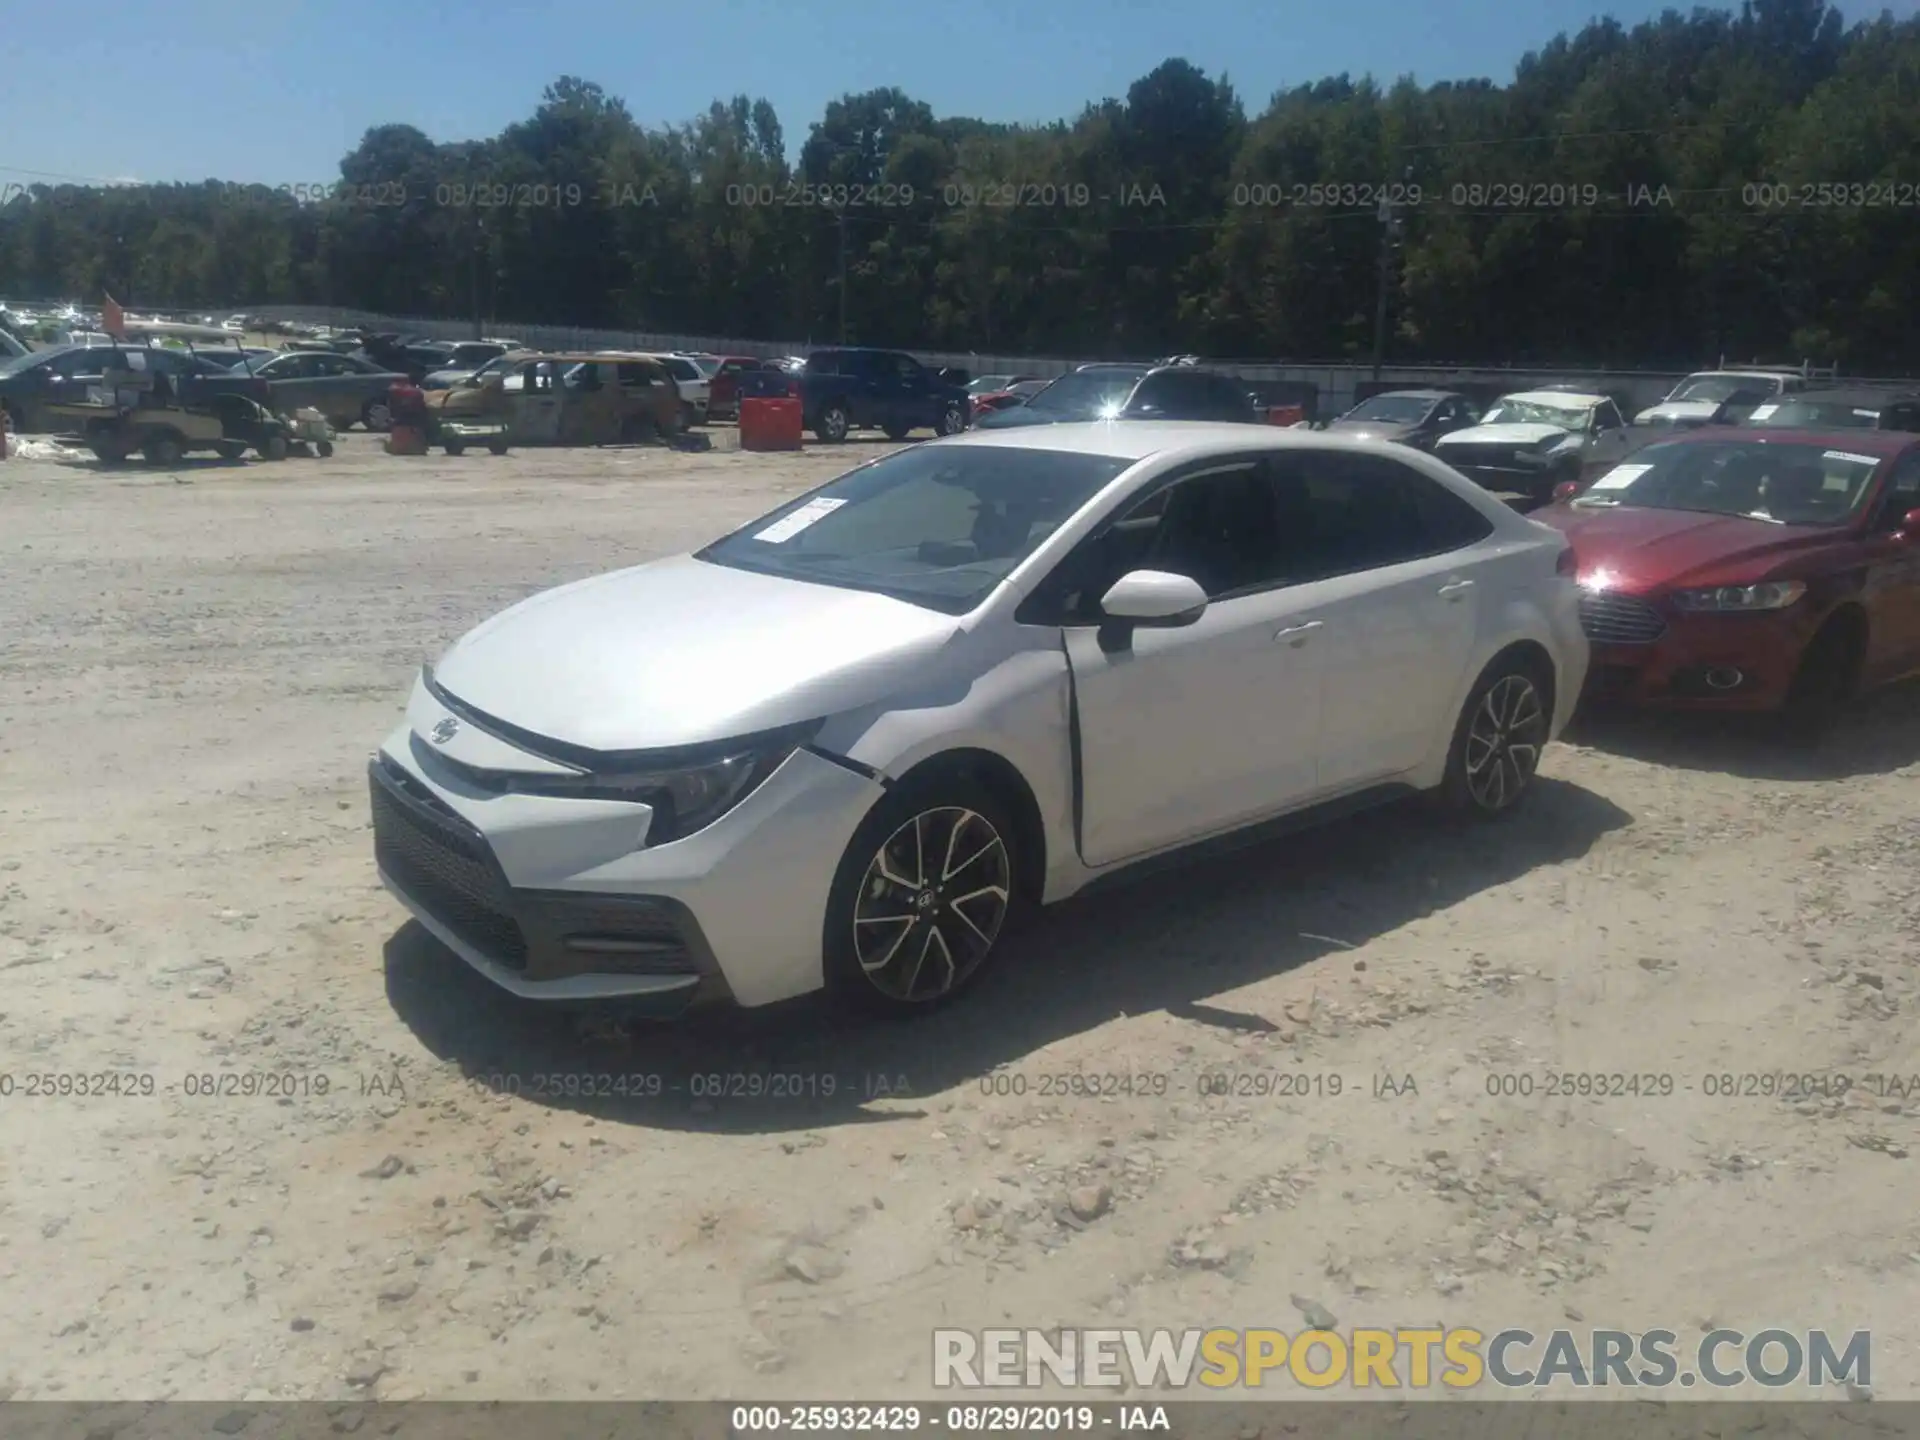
(445,730)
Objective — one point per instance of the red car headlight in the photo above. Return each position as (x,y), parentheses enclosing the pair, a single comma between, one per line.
(1772,595)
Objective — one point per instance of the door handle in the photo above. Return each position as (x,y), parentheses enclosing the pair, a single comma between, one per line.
(1454,589)
(1296,635)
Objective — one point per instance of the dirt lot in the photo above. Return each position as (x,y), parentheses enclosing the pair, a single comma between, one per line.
(193,668)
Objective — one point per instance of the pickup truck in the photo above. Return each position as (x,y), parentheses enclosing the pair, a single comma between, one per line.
(845,390)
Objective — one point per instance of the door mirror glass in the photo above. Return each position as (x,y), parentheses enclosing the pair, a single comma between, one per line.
(1154,597)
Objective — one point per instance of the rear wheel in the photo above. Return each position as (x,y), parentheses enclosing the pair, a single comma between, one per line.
(1497,741)
(922,897)
(456,447)
(163,448)
(496,447)
(834,423)
(231,449)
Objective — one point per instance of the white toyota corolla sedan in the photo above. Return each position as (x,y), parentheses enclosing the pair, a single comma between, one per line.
(848,744)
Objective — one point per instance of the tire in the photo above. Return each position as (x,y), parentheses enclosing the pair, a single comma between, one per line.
(377,416)
(496,447)
(953,420)
(897,433)
(1497,741)
(230,450)
(834,422)
(456,447)
(163,448)
(106,453)
(323,448)
(1822,684)
(274,447)
(896,949)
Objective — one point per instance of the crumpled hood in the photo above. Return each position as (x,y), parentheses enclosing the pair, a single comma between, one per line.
(1515,433)
(681,652)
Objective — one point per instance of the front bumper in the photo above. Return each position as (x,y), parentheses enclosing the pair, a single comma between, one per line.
(556,899)
(1688,665)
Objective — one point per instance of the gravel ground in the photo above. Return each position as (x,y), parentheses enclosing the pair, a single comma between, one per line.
(193,667)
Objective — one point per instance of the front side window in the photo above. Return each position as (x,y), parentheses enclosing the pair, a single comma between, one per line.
(935,526)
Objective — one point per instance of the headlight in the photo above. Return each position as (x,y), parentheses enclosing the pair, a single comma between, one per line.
(1774,595)
(1554,442)
(685,796)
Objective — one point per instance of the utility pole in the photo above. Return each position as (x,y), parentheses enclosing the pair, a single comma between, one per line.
(1390,230)
(841,214)
(473,269)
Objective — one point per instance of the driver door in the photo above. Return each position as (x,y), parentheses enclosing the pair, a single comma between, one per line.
(1191,731)
(1607,440)
(1893,577)
(533,404)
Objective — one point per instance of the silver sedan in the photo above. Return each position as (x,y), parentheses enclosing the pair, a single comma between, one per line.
(851,743)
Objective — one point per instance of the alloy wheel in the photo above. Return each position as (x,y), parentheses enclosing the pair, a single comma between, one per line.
(1504,741)
(931,904)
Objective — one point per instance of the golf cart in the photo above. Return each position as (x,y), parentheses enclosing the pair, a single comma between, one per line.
(140,408)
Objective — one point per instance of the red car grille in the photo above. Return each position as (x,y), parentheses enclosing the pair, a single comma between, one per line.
(1611,619)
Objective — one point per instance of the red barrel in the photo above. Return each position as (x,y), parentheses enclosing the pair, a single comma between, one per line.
(767,424)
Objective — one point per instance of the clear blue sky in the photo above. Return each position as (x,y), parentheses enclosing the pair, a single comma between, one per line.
(276,91)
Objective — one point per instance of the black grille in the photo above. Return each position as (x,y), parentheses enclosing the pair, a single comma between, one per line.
(1503,458)
(444,865)
(1610,619)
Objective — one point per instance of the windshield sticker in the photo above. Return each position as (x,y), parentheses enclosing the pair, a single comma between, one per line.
(1620,477)
(1843,455)
(808,514)
(1761,412)
(1868,414)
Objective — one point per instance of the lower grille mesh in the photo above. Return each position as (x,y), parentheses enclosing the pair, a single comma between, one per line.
(445,869)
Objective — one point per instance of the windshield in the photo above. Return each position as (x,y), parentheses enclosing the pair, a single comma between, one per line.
(988,384)
(706,365)
(936,526)
(1392,410)
(1816,415)
(1719,389)
(1511,411)
(13,365)
(1758,479)
(1087,392)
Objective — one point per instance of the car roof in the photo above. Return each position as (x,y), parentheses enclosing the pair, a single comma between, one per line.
(1881,444)
(1135,440)
(1549,397)
(1413,395)
(1861,396)
(1762,373)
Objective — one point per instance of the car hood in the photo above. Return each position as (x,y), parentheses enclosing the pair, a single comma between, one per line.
(1675,412)
(1371,429)
(1510,434)
(1640,548)
(682,652)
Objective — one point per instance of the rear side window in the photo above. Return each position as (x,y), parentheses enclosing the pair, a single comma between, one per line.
(1347,513)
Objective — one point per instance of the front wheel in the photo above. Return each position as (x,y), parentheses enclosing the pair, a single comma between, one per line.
(496,447)
(231,450)
(456,447)
(1822,685)
(922,897)
(1497,742)
(834,423)
(953,420)
(897,433)
(163,449)
(323,448)
(274,447)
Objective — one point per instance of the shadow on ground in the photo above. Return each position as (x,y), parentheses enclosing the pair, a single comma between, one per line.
(1181,942)
(1879,734)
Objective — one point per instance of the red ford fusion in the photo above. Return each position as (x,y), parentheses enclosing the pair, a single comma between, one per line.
(1748,570)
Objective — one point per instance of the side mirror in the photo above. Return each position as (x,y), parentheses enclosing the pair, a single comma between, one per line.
(1566,490)
(1910,523)
(1154,598)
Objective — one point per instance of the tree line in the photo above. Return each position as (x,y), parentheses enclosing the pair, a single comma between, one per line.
(1725,182)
